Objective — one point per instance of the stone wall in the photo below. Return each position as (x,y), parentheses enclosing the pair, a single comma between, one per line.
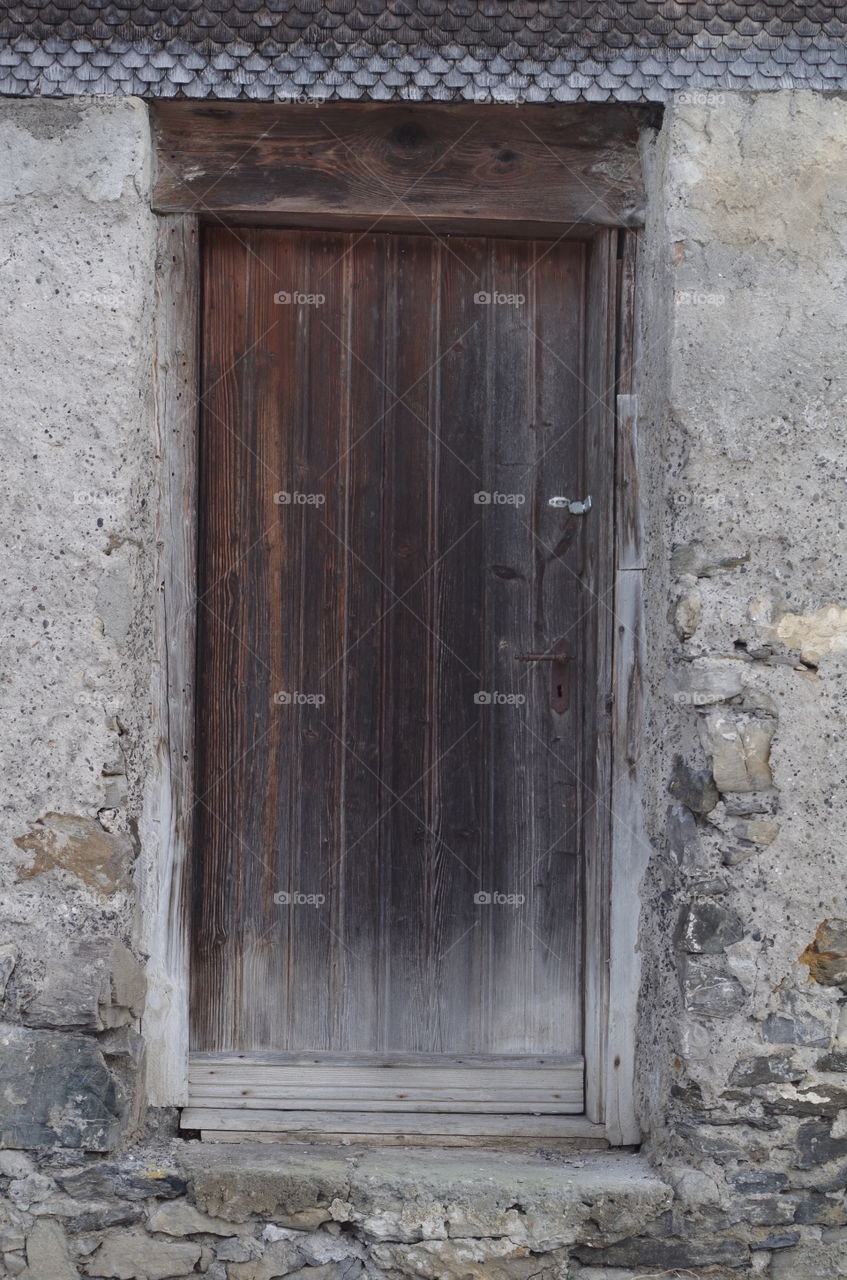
(742,1042)
(744,438)
(77,269)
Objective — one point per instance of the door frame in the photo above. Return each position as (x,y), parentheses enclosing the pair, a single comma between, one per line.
(612,971)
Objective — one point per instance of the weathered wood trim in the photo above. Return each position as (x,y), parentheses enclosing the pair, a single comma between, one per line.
(581,1137)
(415,164)
(246,1122)
(166,830)
(596,732)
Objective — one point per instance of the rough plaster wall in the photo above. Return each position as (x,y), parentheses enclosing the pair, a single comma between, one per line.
(76,266)
(744,440)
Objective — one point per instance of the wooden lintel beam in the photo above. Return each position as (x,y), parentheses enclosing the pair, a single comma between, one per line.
(411,164)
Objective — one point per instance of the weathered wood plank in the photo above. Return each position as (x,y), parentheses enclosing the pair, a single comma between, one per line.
(630,855)
(166,822)
(348,1122)
(414,163)
(595,762)
(583,1138)
(433,1078)
(631,552)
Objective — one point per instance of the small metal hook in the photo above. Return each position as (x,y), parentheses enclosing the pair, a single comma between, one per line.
(575,508)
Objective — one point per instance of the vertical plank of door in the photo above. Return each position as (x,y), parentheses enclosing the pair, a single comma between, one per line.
(410,1012)
(457,660)
(216,889)
(270,570)
(563,546)
(355,876)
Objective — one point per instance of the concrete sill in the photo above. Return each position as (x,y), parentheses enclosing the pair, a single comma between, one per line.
(534,1202)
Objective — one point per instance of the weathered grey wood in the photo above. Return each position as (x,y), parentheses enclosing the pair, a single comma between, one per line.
(424,1087)
(166,821)
(630,855)
(586,1137)
(203,1062)
(411,163)
(467,1125)
(595,760)
(630,534)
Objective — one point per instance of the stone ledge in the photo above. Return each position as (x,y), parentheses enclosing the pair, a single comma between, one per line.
(415,1194)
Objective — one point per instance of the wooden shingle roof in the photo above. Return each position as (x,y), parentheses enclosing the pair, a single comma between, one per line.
(503,50)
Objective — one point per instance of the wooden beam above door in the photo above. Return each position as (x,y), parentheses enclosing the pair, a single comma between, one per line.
(412,166)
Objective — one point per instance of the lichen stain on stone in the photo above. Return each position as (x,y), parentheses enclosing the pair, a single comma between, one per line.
(826,956)
(79,846)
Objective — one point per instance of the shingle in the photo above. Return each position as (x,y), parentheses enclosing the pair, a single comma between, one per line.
(543,50)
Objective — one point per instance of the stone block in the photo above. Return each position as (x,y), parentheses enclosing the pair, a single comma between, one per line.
(795,1028)
(133,1255)
(739,747)
(8,959)
(709,994)
(709,928)
(769,1068)
(99,859)
(96,985)
(814,1099)
(47,1253)
(809,1262)
(178,1218)
(666,1254)
(684,839)
(56,1089)
(814,1145)
(695,788)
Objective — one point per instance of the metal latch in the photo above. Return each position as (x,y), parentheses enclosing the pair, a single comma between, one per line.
(576,508)
(558,673)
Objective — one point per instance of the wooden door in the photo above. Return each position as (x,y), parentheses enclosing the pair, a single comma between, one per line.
(397,663)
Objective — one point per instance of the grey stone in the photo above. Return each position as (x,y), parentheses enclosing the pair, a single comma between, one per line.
(808,1262)
(816,1208)
(834,1061)
(238,1249)
(15,1263)
(394,1194)
(104,1216)
(281,1258)
(178,1218)
(55,1088)
(815,1099)
(47,1253)
(770,1068)
(814,1145)
(132,1255)
(667,1254)
(8,959)
(758,1181)
(783,1240)
(800,1029)
(711,995)
(95,985)
(695,788)
(683,837)
(709,928)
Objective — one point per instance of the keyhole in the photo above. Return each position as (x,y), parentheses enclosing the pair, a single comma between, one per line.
(558,691)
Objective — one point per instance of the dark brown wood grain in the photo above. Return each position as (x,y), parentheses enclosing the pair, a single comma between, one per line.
(394,163)
(396,598)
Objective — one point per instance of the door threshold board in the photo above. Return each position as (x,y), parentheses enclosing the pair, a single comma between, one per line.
(288,1125)
(483,1142)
